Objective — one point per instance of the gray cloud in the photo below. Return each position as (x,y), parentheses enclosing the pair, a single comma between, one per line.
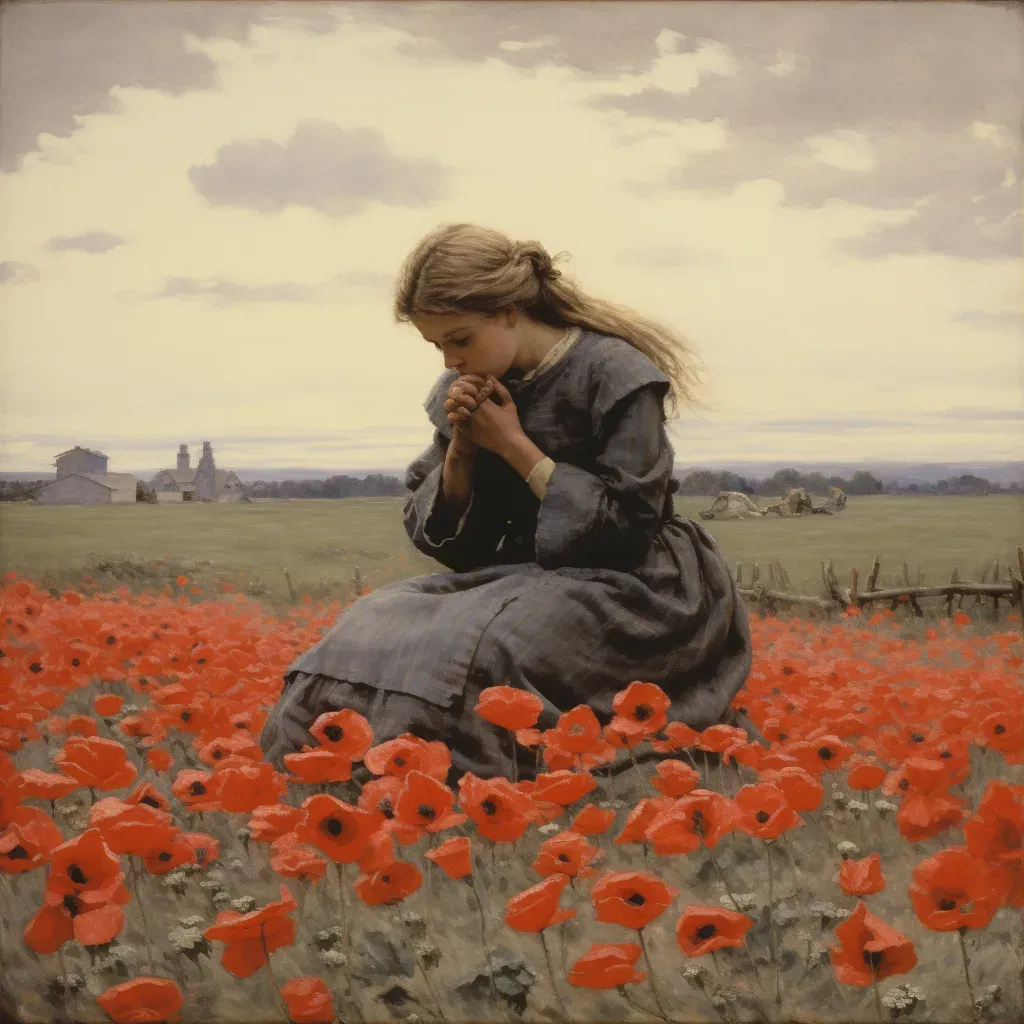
(322,166)
(911,77)
(91,241)
(221,293)
(15,272)
(60,60)
(1005,320)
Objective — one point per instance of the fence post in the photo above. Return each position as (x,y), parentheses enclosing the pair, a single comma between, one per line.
(953,576)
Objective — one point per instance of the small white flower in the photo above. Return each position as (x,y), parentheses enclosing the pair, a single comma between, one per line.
(884,806)
(745,900)
(550,828)
(856,806)
(848,849)
(332,957)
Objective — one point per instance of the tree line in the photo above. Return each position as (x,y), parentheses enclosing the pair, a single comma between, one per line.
(698,483)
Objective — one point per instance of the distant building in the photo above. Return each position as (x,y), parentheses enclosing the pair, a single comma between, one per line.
(203,483)
(82,479)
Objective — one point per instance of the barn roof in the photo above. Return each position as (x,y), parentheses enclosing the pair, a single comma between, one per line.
(79,448)
(96,478)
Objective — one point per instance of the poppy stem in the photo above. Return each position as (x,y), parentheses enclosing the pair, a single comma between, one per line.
(650,975)
(551,974)
(273,980)
(878,1000)
(423,970)
(142,911)
(632,1002)
(483,941)
(721,774)
(967,967)
(515,757)
(643,781)
(343,898)
(771,922)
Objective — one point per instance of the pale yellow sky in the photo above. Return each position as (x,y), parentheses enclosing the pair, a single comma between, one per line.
(216,264)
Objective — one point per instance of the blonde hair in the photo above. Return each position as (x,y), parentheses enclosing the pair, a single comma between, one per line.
(468,269)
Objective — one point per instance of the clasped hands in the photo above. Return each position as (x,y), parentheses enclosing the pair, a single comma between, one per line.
(478,420)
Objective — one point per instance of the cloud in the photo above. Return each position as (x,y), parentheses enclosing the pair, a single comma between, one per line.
(322,166)
(221,293)
(60,60)
(90,241)
(883,105)
(16,272)
(1008,320)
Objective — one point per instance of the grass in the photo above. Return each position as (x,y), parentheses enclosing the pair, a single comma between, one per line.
(321,542)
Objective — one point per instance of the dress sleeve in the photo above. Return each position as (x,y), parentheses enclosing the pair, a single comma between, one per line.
(609,518)
(461,540)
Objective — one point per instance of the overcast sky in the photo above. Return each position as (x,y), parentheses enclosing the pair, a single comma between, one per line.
(203,207)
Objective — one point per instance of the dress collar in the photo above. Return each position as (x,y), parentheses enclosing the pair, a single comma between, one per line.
(515,377)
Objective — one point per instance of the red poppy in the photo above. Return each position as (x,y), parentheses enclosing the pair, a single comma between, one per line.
(679,736)
(870,950)
(703,816)
(607,965)
(567,853)
(242,785)
(631,898)
(381,795)
(271,821)
(309,1000)
(453,857)
(509,707)
(389,885)
(825,753)
(803,792)
(996,830)
(922,817)
(593,820)
(378,853)
(718,738)
(643,813)
(146,793)
(338,829)
(577,731)
(240,744)
(866,775)
(46,785)
(159,760)
(951,890)
(84,892)
(766,812)
(28,841)
(291,858)
(204,847)
(407,752)
(563,787)
(500,812)
(195,790)
(141,1001)
(640,709)
(107,704)
(675,778)
(81,725)
(169,855)
(131,828)
(246,935)
(862,877)
(317,766)
(702,930)
(426,803)
(344,732)
(97,763)
(536,908)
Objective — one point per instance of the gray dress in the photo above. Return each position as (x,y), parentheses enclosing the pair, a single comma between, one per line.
(570,597)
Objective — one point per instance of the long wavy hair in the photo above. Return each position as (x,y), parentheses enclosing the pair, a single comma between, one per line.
(465,269)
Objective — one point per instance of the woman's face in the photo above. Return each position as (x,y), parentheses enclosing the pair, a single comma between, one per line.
(472,344)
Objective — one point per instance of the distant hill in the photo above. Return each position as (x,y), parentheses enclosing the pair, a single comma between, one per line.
(888,472)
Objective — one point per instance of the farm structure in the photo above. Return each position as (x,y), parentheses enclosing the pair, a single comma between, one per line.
(82,479)
(203,482)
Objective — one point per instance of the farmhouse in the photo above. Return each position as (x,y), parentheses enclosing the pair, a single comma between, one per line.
(82,479)
(203,483)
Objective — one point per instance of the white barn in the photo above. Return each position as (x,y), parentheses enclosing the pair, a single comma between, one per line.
(202,483)
(82,479)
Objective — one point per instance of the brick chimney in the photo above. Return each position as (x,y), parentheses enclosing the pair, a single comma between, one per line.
(183,459)
(205,480)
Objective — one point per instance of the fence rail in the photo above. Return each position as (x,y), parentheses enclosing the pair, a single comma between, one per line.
(837,598)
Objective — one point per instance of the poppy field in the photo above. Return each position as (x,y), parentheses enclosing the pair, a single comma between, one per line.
(866,864)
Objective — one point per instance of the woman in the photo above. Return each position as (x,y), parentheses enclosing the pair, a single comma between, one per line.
(547,492)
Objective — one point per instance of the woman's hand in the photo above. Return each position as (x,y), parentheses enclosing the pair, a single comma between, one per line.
(464,396)
(489,425)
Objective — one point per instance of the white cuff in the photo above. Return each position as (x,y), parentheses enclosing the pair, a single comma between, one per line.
(538,478)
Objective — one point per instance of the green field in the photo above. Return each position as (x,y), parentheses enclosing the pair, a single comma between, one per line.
(322,542)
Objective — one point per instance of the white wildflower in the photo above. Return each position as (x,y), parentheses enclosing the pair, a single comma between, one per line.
(847,849)
(744,901)
(550,828)
(244,904)
(884,806)
(332,957)
(857,807)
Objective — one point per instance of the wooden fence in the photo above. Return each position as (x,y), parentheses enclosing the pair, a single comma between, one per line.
(778,589)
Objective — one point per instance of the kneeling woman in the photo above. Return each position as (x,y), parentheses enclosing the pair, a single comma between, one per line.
(547,491)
